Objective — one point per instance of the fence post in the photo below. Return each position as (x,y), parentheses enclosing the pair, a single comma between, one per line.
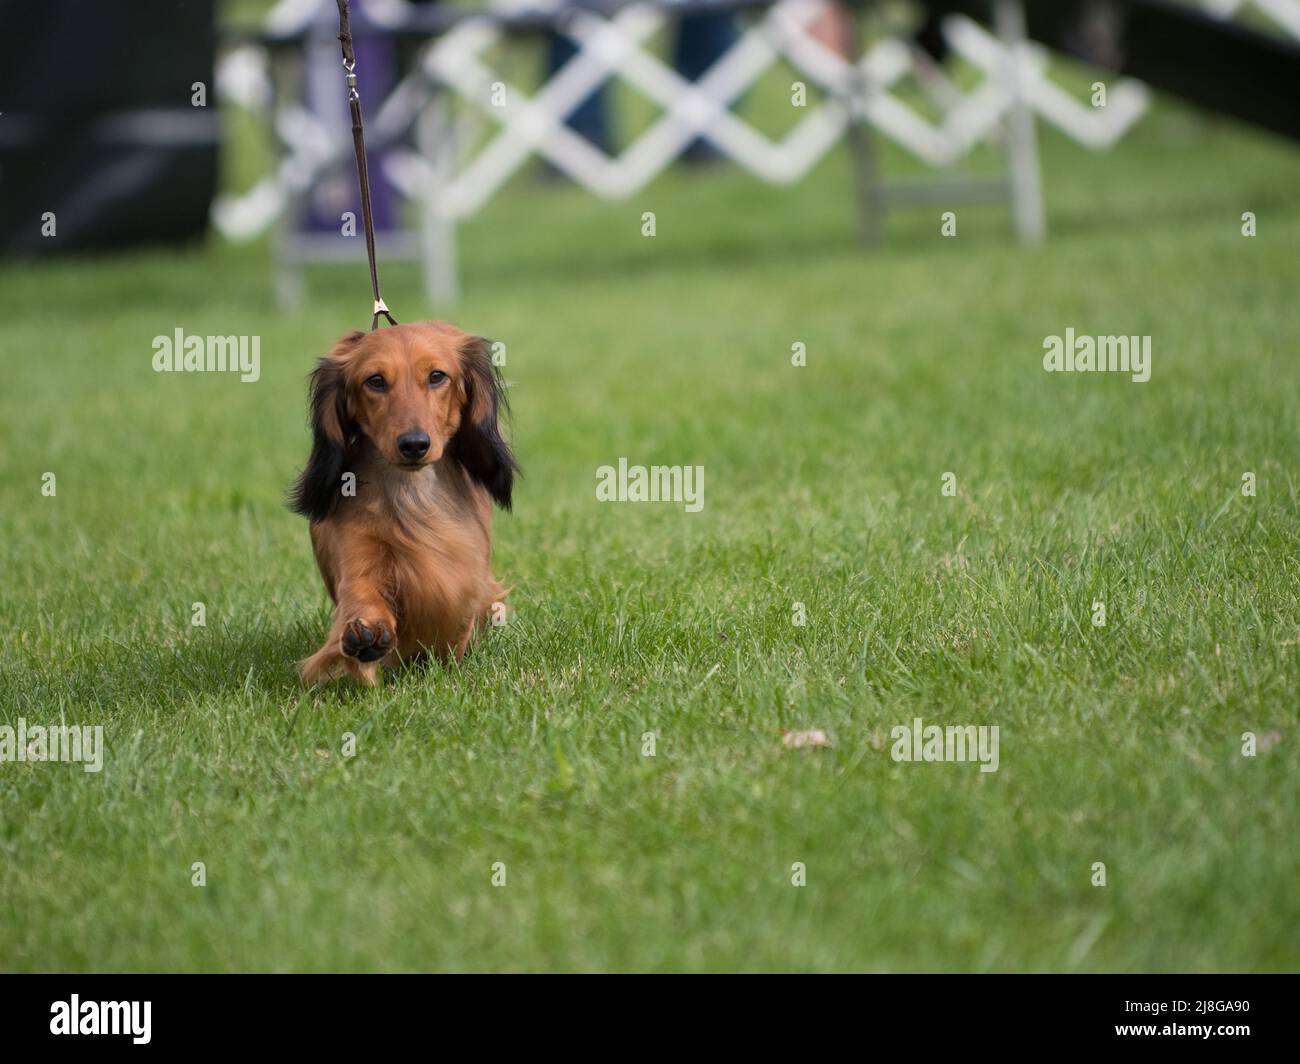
(1022,138)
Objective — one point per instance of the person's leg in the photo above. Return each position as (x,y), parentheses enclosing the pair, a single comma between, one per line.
(590,117)
(702,39)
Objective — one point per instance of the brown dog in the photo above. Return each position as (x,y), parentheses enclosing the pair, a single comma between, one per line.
(406,460)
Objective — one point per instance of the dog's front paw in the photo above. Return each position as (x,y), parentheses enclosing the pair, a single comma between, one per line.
(366,641)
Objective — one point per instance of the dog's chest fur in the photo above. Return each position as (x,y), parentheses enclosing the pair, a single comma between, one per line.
(429,532)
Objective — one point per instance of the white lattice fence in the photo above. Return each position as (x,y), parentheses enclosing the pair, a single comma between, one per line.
(615,47)
(872,91)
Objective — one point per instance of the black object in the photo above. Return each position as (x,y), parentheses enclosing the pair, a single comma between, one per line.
(98,123)
(1218,65)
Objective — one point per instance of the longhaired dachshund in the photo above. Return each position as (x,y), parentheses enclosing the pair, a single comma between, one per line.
(404,542)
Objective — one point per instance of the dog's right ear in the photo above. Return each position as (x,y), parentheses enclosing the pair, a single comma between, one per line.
(319,486)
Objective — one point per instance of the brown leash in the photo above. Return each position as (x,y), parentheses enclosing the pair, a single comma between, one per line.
(363,174)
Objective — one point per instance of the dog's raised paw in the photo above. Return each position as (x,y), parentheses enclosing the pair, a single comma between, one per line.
(366,642)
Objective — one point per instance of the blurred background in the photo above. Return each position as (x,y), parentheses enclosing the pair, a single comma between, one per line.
(225,120)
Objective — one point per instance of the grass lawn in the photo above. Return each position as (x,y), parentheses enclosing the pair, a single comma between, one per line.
(1119,744)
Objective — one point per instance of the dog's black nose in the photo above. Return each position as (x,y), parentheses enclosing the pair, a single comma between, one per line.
(413,445)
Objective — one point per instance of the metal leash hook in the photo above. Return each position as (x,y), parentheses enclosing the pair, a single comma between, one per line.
(363,174)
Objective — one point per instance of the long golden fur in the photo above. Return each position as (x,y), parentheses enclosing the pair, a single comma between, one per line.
(407,458)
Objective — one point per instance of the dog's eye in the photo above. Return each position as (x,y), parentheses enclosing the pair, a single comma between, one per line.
(436,377)
(376,381)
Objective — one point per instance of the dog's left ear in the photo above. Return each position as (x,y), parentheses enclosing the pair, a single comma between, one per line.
(477,444)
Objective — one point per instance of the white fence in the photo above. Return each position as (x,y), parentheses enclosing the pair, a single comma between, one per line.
(416,125)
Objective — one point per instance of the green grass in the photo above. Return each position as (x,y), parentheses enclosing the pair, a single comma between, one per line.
(1119,744)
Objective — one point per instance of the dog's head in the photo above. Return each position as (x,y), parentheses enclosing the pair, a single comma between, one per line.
(417,393)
